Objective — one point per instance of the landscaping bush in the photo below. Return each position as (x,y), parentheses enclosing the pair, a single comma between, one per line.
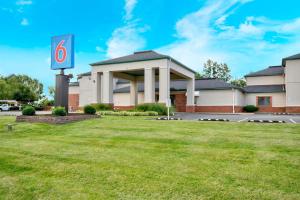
(161,109)
(101,106)
(89,109)
(59,111)
(250,108)
(28,110)
(127,113)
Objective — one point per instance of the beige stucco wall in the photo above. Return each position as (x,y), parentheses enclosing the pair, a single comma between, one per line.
(85,91)
(265,80)
(123,99)
(239,98)
(141,98)
(278,99)
(74,90)
(220,98)
(292,81)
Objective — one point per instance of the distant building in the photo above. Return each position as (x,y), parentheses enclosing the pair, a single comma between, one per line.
(121,82)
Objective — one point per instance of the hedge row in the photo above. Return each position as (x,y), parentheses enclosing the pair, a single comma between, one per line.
(126,113)
(102,106)
(160,108)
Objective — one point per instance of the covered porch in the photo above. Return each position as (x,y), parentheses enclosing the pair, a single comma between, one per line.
(147,67)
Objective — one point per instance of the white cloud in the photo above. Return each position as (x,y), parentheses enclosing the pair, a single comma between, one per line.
(24,22)
(24,2)
(205,34)
(125,40)
(129,6)
(128,38)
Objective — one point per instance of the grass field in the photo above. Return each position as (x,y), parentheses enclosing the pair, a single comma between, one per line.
(134,158)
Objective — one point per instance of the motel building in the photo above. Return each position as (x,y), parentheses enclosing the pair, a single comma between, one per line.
(149,77)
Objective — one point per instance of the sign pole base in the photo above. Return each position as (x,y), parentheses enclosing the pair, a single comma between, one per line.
(62,90)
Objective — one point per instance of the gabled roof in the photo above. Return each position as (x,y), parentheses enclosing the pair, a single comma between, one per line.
(139,56)
(294,57)
(264,88)
(181,85)
(270,71)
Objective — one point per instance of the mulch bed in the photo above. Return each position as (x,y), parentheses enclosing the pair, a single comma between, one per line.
(50,119)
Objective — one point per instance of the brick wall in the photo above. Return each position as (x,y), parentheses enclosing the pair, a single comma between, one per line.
(269,109)
(74,101)
(218,109)
(294,109)
(180,102)
(55,119)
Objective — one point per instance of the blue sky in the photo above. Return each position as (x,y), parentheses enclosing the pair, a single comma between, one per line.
(246,34)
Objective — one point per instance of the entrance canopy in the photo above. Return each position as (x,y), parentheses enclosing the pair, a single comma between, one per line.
(146,66)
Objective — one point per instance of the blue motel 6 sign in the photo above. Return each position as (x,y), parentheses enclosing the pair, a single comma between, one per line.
(62,52)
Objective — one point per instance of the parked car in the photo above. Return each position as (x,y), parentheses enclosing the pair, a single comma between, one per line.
(4,107)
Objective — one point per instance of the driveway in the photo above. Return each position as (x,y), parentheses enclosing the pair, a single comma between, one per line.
(17,113)
(240,117)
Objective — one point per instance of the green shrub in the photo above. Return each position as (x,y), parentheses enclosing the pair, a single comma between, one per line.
(89,109)
(59,111)
(101,106)
(28,110)
(250,108)
(152,113)
(161,109)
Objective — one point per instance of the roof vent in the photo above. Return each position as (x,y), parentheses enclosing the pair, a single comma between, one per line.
(138,52)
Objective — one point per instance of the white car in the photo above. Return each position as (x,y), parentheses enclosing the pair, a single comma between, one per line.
(4,107)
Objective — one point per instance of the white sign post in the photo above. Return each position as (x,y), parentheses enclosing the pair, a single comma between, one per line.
(168,104)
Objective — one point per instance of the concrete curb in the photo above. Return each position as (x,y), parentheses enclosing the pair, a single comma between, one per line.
(266,121)
(171,118)
(282,114)
(214,120)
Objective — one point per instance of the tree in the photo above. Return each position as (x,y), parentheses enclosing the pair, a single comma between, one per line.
(215,70)
(239,82)
(5,92)
(23,88)
(24,94)
(51,91)
(198,75)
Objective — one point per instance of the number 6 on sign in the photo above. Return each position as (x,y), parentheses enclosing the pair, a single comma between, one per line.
(60,58)
(62,52)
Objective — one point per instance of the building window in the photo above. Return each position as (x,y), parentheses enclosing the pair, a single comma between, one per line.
(263,101)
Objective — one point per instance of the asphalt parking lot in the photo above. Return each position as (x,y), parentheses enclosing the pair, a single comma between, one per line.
(294,119)
(17,113)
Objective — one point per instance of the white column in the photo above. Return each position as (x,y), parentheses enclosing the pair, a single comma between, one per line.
(190,90)
(107,87)
(133,93)
(164,84)
(96,87)
(149,85)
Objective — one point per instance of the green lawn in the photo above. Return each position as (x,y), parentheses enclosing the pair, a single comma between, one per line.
(134,158)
